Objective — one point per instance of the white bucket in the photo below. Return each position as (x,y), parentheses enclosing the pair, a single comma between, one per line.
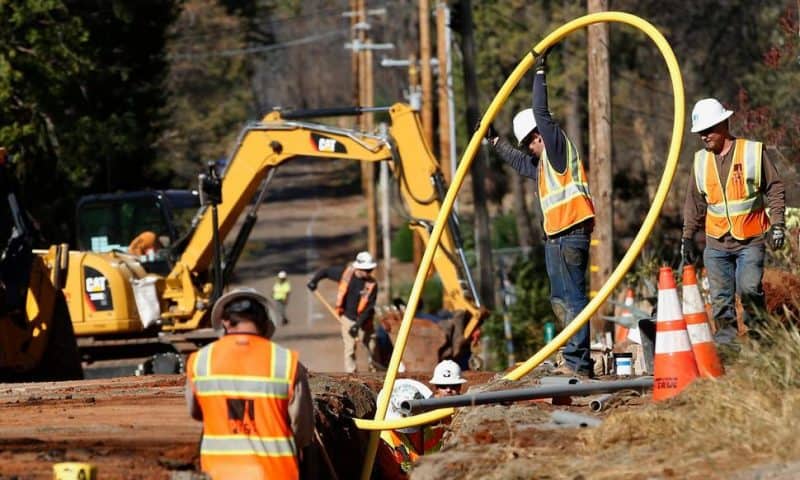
(623,363)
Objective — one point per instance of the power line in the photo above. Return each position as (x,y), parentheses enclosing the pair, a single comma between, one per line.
(258,49)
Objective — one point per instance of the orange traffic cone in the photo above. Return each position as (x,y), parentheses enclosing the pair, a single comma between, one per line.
(694,313)
(675,367)
(621,331)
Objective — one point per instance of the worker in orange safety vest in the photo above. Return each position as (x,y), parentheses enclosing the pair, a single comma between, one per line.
(408,444)
(251,394)
(355,304)
(548,156)
(733,182)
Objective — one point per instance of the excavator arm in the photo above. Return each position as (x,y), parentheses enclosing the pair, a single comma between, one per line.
(274,140)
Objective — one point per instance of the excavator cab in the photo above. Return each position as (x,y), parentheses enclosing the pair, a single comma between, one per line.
(148,224)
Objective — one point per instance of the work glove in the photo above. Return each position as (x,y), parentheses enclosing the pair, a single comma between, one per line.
(312,285)
(354,331)
(688,251)
(541,63)
(777,236)
(491,134)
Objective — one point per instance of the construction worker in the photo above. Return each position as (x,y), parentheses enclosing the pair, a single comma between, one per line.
(408,444)
(280,294)
(355,304)
(552,159)
(733,216)
(145,244)
(447,379)
(251,394)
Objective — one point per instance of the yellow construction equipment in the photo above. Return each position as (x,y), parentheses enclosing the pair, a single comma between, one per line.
(36,337)
(128,314)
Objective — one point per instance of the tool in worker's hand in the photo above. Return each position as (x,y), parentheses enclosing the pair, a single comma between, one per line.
(328,306)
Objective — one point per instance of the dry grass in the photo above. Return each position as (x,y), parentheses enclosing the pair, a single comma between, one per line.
(749,416)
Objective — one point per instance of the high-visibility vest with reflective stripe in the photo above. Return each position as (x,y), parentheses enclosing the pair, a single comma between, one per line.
(344,284)
(564,197)
(281,290)
(243,384)
(404,450)
(739,208)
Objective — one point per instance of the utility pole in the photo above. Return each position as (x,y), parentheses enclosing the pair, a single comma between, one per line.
(600,171)
(362,47)
(447,156)
(425,70)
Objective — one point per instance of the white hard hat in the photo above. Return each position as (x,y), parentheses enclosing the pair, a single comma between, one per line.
(707,113)
(282,274)
(447,373)
(524,124)
(241,294)
(364,261)
(405,389)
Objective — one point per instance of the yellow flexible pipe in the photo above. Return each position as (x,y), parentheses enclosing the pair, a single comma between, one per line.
(466,161)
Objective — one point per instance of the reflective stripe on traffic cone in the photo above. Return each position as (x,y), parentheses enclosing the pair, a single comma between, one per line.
(675,367)
(694,313)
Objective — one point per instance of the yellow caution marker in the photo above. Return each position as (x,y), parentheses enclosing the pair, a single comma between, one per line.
(74,471)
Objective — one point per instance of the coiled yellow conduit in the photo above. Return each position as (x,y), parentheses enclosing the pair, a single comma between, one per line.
(524,65)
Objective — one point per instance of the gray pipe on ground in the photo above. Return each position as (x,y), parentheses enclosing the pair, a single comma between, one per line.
(522,394)
(599,403)
(564,417)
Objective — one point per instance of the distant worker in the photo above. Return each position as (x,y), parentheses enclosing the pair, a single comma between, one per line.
(733,216)
(408,444)
(146,243)
(447,379)
(563,189)
(251,394)
(280,294)
(355,304)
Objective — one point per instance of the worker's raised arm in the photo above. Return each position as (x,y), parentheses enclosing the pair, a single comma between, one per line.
(555,143)
(523,163)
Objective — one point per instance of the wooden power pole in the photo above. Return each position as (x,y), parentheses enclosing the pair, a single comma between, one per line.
(364,97)
(443,88)
(600,171)
(426,76)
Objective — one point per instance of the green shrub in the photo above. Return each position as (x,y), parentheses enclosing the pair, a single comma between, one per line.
(432,292)
(403,244)
(504,231)
(528,313)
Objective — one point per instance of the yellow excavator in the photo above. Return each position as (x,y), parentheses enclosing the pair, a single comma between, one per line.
(36,337)
(128,307)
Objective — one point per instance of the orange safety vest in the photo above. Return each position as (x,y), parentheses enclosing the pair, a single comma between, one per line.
(344,284)
(564,197)
(243,384)
(404,450)
(739,209)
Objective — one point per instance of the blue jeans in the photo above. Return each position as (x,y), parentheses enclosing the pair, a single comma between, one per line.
(731,273)
(566,258)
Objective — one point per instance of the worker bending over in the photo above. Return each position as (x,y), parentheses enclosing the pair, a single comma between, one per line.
(563,189)
(355,304)
(251,394)
(408,444)
(732,183)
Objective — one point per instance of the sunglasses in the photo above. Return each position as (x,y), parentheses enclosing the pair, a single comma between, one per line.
(454,388)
